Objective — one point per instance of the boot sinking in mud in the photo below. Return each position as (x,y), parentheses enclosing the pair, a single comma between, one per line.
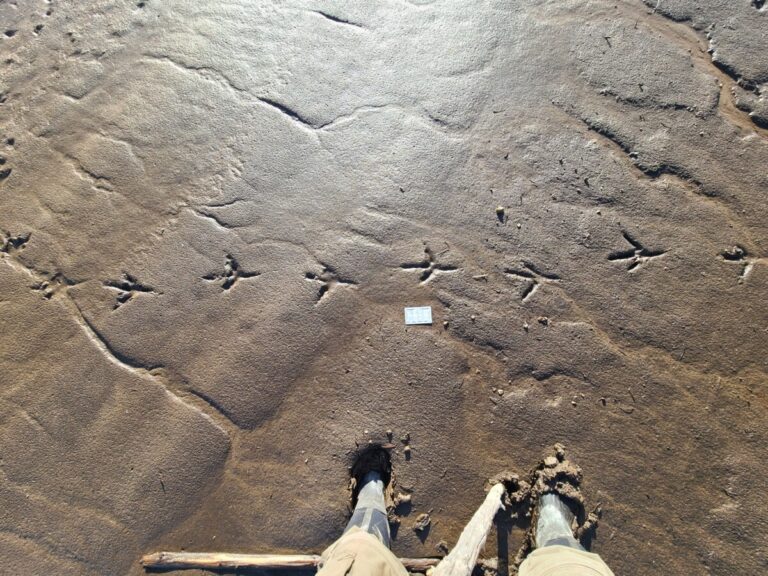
(559,520)
(371,475)
(363,548)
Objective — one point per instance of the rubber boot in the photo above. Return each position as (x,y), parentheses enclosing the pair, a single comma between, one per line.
(371,512)
(554,523)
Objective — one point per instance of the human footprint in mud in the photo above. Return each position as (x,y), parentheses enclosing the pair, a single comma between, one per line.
(363,549)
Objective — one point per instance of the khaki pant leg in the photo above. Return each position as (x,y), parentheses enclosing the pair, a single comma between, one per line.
(563,561)
(358,553)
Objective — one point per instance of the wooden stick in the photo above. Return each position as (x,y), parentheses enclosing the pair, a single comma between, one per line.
(208,560)
(186,560)
(462,559)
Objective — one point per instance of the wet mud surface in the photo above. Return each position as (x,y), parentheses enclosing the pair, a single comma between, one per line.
(213,214)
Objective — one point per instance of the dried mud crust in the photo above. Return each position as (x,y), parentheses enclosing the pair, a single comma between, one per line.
(555,474)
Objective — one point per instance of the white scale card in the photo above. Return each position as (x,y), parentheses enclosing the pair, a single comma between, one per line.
(418,315)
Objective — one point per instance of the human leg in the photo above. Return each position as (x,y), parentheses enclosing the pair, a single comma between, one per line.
(554,523)
(370,512)
(363,549)
(557,552)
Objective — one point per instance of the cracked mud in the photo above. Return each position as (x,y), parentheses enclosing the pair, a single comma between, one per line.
(212,215)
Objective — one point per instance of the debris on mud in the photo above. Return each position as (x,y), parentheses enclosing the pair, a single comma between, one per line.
(423,522)
(401,499)
(734,253)
(442,547)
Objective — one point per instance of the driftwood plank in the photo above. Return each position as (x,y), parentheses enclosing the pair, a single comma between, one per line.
(207,560)
(463,557)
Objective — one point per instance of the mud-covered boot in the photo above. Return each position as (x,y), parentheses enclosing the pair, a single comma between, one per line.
(553,525)
(371,473)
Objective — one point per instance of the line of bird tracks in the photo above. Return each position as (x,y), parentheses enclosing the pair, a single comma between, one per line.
(698,46)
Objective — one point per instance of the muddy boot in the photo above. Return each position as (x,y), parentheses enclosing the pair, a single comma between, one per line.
(371,513)
(371,473)
(553,526)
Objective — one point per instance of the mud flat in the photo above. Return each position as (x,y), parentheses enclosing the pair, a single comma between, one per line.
(213,214)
